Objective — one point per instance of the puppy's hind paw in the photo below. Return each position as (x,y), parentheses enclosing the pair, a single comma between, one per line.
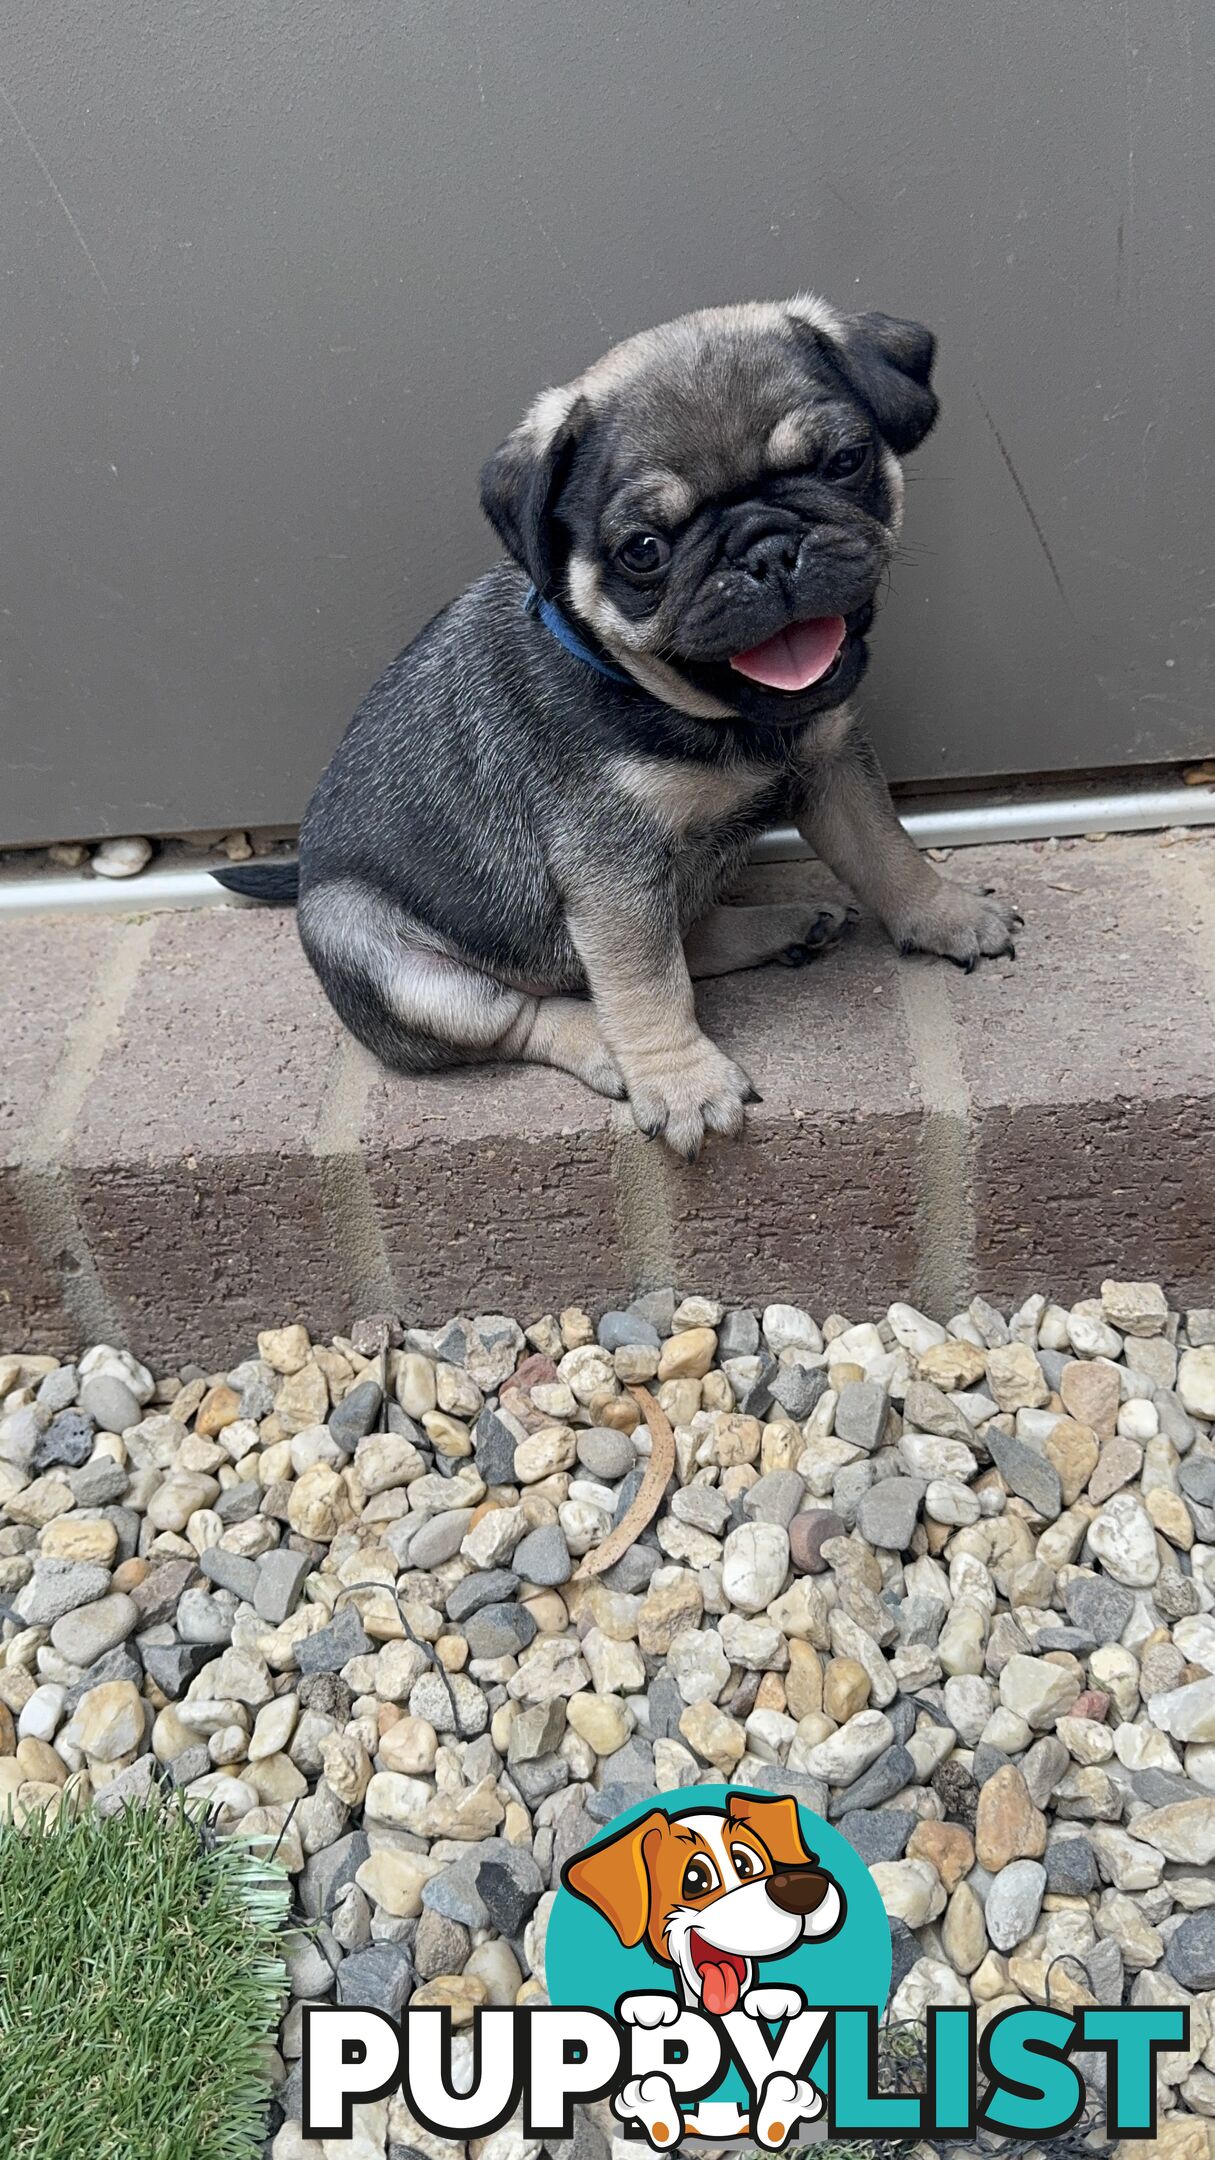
(825,926)
(784,2102)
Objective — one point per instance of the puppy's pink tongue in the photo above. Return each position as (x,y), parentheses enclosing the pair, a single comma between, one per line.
(718,1988)
(797,656)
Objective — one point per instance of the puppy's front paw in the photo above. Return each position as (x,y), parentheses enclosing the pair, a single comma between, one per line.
(649,2010)
(960,923)
(699,1091)
(774,2004)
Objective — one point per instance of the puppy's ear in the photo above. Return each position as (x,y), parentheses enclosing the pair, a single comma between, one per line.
(777,1825)
(520,483)
(615,1878)
(885,362)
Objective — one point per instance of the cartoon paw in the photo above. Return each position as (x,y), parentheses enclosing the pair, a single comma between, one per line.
(774,2004)
(648,2010)
(651,2102)
(784,2102)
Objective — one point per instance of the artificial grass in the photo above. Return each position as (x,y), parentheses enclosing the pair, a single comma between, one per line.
(140,1988)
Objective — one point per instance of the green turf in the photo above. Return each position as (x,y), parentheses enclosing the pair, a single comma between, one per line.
(140,1987)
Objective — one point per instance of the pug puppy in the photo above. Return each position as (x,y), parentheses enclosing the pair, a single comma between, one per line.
(521,845)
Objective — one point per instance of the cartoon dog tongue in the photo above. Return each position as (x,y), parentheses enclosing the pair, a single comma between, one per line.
(719,1985)
(797,656)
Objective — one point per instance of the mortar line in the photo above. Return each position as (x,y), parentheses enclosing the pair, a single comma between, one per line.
(945,1216)
(43,1185)
(346,1196)
(639,1193)
(1176,869)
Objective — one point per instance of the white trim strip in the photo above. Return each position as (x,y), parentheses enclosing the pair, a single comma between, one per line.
(961,821)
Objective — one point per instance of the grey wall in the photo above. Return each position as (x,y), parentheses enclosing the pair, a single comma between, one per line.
(277,273)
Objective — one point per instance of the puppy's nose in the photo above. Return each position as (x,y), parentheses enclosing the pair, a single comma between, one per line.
(772,557)
(798,1890)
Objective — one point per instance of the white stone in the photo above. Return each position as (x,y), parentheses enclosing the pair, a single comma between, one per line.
(851,1750)
(1196,1381)
(910,1890)
(1186,1713)
(122,858)
(787,1327)
(755,1563)
(1122,1537)
(914,1330)
(698,1664)
(1038,1692)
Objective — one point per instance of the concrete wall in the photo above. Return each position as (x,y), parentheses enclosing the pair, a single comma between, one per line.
(276,274)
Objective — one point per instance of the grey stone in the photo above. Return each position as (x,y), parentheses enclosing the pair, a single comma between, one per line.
(239,1503)
(310,1973)
(131,1788)
(111,1403)
(67,1441)
(861,1414)
(97,1482)
(21,1433)
(257,1384)
(451,1702)
(454,1893)
(1052,1363)
(1106,1973)
(356,1415)
(878,1833)
(535,1732)
(509,1885)
(202,1617)
(1014,1902)
(987,1760)
(381,1978)
(798,1390)
(175,1665)
(499,1630)
(607,1454)
(666,1707)
(124,1663)
(495,1438)
(775,1498)
(1175,1421)
(333,1646)
(1078,1640)
(1196,1477)
(809,1792)
(440,1945)
(658,1307)
(1071,1866)
(84,1635)
(905,1953)
(1030,1475)
(738,1335)
(919,1619)
(1175,1595)
(543,1557)
(57,1587)
(488,1586)
(439,1538)
(1164,1788)
(902,1715)
(230,1571)
(326,1874)
(886,1515)
(280,1578)
(755,1400)
(627,1494)
(623,1330)
(327,1694)
(1190,1953)
(58,1390)
(613,1799)
(634,1568)
(193,1762)
(1042,1766)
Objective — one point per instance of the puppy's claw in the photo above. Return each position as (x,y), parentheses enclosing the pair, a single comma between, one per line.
(751,1093)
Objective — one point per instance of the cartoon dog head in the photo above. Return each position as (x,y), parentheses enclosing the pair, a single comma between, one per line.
(711,1891)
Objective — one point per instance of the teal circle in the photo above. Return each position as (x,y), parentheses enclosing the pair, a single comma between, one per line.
(587,1966)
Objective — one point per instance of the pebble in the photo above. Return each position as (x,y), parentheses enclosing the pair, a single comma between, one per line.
(121,858)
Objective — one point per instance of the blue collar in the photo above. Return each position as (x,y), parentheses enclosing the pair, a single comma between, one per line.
(559,627)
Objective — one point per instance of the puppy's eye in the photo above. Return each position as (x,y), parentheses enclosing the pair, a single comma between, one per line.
(847,463)
(699,1876)
(747,1863)
(644,555)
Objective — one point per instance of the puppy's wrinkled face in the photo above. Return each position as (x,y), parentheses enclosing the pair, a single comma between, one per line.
(716,500)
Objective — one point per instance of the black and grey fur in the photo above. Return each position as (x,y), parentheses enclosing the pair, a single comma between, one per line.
(513,856)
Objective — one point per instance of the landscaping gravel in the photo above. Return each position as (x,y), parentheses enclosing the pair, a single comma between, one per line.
(952,1584)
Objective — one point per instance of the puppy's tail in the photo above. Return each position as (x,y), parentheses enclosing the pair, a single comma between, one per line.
(276,884)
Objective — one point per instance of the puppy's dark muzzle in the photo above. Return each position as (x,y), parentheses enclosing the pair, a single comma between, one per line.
(798,1890)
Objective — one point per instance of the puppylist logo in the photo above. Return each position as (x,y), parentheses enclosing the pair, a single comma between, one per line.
(717,1964)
